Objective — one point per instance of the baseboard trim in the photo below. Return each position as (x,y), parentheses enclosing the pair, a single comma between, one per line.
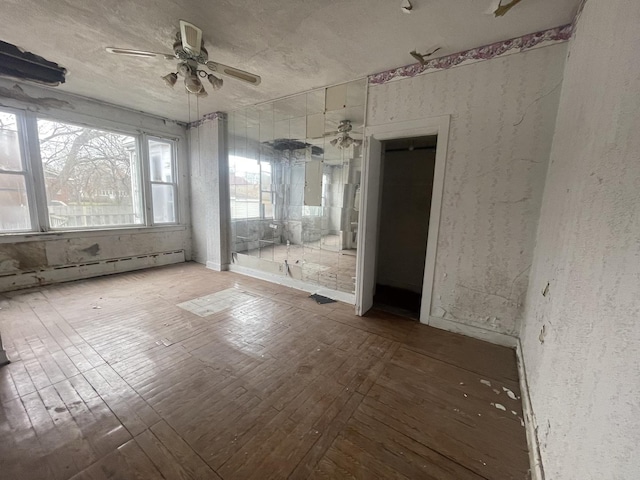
(535,459)
(218,267)
(473,331)
(293,283)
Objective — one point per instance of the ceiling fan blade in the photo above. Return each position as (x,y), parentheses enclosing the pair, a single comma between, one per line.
(139,53)
(234,72)
(191,37)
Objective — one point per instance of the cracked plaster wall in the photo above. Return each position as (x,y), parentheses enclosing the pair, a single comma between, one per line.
(581,329)
(502,121)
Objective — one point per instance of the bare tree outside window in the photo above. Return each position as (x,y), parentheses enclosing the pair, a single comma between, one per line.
(91,176)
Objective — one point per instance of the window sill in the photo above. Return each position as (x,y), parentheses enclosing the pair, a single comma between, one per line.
(64,234)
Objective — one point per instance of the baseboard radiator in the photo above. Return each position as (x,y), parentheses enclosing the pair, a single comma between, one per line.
(65,273)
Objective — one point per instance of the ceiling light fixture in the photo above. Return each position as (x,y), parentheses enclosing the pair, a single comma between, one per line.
(215,82)
(188,49)
(344,140)
(193,84)
(170,79)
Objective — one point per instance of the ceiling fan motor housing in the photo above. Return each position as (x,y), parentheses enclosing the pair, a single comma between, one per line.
(183,54)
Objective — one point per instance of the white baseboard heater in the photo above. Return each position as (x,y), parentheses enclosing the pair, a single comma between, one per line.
(64,273)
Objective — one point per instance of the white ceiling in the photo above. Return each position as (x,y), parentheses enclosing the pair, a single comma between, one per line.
(295,45)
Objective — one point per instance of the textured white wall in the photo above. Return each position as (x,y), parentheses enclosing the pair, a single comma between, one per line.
(502,121)
(583,369)
(209,194)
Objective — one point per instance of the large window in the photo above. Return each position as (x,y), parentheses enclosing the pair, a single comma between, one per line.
(90,175)
(68,176)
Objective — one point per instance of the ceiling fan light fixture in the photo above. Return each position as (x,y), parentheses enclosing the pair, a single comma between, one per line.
(170,79)
(190,52)
(215,82)
(193,84)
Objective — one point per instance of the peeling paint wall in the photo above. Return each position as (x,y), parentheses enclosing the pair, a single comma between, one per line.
(209,184)
(502,120)
(36,252)
(581,329)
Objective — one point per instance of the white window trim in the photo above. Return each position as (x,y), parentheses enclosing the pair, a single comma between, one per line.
(35,185)
(149,182)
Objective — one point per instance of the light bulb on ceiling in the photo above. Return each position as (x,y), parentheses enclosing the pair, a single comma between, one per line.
(170,79)
(347,141)
(193,84)
(184,70)
(202,93)
(216,82)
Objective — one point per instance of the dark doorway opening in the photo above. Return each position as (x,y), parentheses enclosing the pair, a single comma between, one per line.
(405,205)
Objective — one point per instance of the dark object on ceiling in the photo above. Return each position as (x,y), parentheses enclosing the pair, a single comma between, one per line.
(16,63)
(281,144)
(502,9)
(321,300)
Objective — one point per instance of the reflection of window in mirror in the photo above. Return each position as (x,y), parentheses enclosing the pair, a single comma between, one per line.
(252,196)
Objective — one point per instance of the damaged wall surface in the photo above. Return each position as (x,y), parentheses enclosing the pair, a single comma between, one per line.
(502,122)
(581,335)
(29,259)
(209,191)
(73,256)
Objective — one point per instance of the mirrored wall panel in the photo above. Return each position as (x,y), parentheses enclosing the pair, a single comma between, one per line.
(294,175)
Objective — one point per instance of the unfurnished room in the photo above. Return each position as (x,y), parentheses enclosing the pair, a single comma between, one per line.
(320,239)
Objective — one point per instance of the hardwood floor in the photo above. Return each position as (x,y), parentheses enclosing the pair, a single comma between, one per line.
(111,379)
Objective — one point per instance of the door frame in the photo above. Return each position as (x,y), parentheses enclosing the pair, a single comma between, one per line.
(370,209)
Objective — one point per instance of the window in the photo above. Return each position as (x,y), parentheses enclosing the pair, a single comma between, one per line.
(163,181)
(90,176)
(14,200)
(250,187)
(67,176)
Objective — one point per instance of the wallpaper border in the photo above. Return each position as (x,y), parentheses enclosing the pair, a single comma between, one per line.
(486,52)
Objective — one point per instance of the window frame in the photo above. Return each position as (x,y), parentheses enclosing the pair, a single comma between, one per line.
(25,172)
(33,173)
(148,181)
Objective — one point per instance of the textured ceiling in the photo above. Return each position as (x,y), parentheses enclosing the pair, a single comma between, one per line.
(295,45)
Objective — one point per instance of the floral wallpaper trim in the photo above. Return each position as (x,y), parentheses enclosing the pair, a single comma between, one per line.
(207,117)
(526,42)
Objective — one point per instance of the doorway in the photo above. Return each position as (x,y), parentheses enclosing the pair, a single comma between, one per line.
(366,263)
(406,188)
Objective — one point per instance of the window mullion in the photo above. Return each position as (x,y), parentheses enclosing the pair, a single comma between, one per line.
(175,176)
(35,175)
(146,179)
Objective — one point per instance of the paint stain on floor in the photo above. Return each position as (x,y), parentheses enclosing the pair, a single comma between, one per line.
(216,302)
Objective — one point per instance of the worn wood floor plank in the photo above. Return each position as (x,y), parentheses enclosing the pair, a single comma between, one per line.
(111,379)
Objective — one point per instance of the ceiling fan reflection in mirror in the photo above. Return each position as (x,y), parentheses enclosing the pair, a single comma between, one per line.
(188,49)
(344,139)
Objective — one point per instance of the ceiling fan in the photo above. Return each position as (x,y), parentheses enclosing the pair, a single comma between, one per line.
(344,139)
(188,49)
